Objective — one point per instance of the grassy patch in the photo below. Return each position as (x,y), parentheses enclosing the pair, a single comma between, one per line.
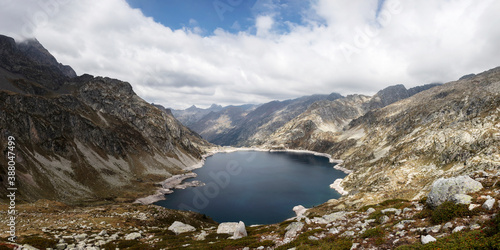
(373,232)
(448,211)
(395,203)
(478,239)
(377,216)
(461,240)
(126,244)
(330,242)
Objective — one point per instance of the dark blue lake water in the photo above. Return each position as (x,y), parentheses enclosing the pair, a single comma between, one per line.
(257,187)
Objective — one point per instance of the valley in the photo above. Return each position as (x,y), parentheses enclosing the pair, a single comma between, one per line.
(88,147)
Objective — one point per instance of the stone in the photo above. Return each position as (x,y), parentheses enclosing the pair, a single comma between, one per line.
(293,229)
(81,237)
(329,218)
(61,246)
(133,236)
(472,206)
(433,229)
(488,204)
(384,219)
(458,229)
(448,225)
(401,224)
(313,237)
(103,232)
(333,231)
(475,226)
(392,210)
(28,247)
(407,210)
(461,199)
(370,210)
(240,231)
(348,234)
(203,234)
(178,227)
(227,228)
(319,220)
(444,189)
(299,210)
(427,239)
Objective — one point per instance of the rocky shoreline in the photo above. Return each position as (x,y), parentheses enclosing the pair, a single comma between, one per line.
(176,181)
(337,186)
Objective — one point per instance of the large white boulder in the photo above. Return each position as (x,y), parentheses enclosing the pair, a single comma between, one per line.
(240,231)
(227,228)
(427,239)
(446,189)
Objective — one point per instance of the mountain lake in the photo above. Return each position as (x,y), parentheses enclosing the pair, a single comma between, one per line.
(257,187)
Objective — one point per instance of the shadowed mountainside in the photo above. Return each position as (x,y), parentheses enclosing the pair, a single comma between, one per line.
(83,138)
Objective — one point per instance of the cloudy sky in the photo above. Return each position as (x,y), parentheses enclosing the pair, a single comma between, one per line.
(183,52)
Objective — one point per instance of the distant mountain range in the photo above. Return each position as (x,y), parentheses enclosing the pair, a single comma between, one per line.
(397,142)
(252,125)
(83,138)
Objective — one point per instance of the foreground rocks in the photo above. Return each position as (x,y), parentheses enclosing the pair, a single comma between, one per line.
(452,189)
(386,225)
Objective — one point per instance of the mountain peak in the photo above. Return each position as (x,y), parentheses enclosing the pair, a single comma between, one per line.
(35,51)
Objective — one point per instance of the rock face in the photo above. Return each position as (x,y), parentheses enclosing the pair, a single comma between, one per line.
(447,189)
(427,239)
(240,231)
(178,227)
(193,114)
(237,229)
(252,125)
(293,229)
(84,138)
(227,228)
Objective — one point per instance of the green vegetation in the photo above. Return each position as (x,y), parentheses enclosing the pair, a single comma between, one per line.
(461,240)
(478,239)
(127,244)
(377,215)
(373,233)
(330,242)
(448,211)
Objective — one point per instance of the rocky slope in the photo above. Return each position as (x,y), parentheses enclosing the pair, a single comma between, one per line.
(398,150)
(323,121)
(85,138)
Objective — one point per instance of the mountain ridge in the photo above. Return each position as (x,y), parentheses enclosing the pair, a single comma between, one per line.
(85,138)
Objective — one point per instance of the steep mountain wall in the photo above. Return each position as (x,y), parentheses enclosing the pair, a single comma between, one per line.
(84,138)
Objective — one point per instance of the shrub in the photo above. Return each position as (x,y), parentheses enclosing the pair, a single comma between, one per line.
(449,210)
(373,232)
(493,226)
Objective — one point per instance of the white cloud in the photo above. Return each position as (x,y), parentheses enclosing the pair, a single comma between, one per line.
(264,25)
(344,47)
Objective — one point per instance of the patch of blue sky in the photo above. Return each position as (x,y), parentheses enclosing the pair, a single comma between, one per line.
(230,15)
